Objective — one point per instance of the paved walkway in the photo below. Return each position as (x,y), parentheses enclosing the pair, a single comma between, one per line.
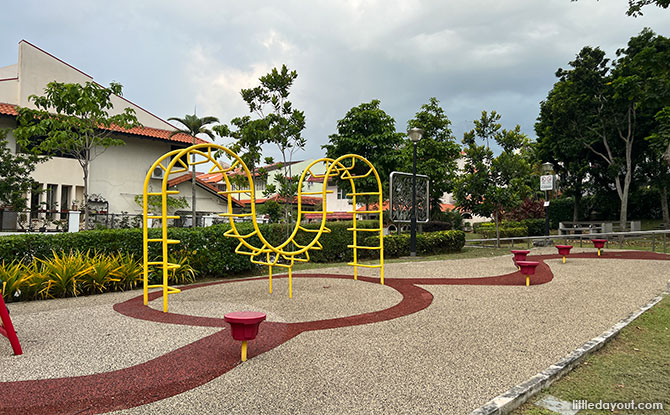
(439,337)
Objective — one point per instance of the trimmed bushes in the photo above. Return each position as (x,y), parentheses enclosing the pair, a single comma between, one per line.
(70,264)
(509,229)
(426,244)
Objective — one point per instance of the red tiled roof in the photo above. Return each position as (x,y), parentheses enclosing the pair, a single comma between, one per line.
(10,109)
(186,177)
(446,207)
(331,216)
(306,200)
(210,177)
(373,206)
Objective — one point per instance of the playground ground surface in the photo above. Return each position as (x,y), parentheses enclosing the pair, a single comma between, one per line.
(439,337)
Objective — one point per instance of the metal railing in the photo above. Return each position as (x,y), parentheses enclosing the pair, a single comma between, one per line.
(612,238)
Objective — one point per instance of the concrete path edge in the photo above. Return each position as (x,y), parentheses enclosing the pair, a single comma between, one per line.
(518,395)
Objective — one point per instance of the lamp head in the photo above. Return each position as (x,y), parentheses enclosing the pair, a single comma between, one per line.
(415,134)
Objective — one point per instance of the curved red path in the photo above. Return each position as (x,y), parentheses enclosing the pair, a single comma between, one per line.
(208,358)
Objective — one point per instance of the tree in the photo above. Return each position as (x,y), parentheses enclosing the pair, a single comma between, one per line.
(611,108)
(566,119)
(15,180)
(659,158)
(490,185)
(194,125)
(73,120)
(437,152)
(277,123)
(635,6)
(370,132)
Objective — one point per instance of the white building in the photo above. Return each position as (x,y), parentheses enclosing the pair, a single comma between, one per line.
(117,175)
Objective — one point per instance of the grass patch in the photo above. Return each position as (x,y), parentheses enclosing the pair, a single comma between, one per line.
(633,366)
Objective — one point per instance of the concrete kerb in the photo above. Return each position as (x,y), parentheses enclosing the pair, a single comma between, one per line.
(518,395)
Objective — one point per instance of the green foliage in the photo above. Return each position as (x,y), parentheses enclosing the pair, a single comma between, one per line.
(491,185)
(73,120)
(15,180)
(560,210)
(437,151)
(271,208)
(59,275)
(278,123)
(535,226)
(508,229)
(452,219)
(426,244)
(12,278)
(155,203)
(70,274)
(608,109)
(193,125)
(635,6)
(370,132)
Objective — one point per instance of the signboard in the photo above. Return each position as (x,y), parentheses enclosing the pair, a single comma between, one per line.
(401,197)
(547,182)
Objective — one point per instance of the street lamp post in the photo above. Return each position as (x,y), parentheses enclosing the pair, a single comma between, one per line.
(414,135)
(546,169)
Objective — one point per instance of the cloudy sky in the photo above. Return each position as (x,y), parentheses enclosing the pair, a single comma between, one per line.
(174,56)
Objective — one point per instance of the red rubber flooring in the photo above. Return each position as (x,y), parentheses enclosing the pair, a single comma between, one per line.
(203,360)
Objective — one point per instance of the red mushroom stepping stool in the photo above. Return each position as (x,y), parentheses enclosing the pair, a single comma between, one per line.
(519,255)
(244,326)
(599,243)
(564,250)
(527,268)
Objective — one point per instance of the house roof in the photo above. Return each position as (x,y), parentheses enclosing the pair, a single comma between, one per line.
(329,216)
(142,132)
(306,200)
(187,177)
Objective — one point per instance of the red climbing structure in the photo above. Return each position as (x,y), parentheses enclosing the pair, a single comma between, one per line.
(7,329)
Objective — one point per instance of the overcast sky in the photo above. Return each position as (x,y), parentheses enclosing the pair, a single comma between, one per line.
(174,56)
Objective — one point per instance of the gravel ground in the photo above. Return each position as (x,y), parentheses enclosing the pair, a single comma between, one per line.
(313,299)
(471,344)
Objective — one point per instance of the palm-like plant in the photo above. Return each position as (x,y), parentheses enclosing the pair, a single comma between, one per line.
(194,125)
(60,275)
(100,275)
(128,272)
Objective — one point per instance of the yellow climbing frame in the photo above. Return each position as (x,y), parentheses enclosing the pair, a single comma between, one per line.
(290,251)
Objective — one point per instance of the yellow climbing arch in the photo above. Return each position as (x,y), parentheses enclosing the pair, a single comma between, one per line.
(287,253)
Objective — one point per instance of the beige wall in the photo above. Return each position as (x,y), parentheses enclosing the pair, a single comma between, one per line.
(9,90)
(118,173)
(36,68)
(9,71)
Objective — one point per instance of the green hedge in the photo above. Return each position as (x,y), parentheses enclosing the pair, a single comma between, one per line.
(508,229)
(207,249)
(426,244)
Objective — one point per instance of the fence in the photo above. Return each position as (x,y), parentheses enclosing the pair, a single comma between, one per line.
(642,238)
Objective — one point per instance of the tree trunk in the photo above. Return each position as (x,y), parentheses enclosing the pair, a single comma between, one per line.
(578,201)
(623,214)
(193,217)
(84,168)
(664,206)
(497,229)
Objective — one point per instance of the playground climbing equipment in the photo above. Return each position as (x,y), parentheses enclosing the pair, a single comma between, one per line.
(296,247)
(6,326)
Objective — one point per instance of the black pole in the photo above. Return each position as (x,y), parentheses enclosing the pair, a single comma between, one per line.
(546,213)
(412,241)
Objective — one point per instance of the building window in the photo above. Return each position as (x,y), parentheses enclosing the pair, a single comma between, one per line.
(64,200)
